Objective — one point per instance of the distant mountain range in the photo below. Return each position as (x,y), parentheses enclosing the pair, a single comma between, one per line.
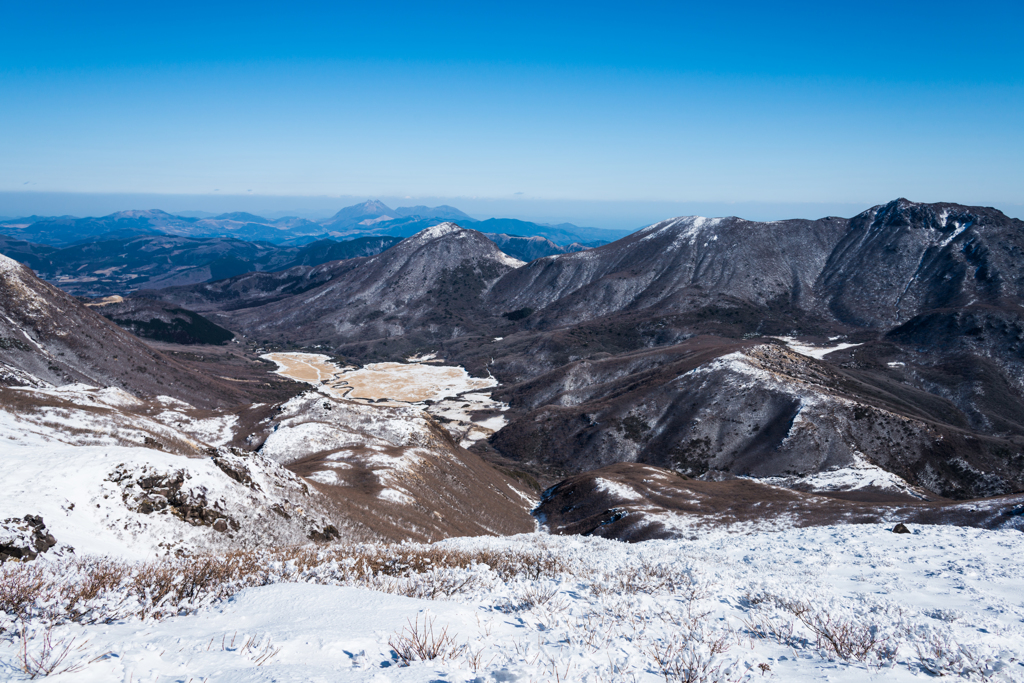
(134,250)
(369,218)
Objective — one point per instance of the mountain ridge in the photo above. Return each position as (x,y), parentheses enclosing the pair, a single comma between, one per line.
(684,276)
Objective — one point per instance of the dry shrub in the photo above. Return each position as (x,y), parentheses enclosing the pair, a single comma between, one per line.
(835,636)
(41,655)
(416,643)
(21,585)
(99,590)
(534,595)
(692,657)
(527,564)
(763,626)
(652,579)
(938,654)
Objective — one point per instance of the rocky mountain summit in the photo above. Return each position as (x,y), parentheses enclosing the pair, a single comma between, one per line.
(429,287)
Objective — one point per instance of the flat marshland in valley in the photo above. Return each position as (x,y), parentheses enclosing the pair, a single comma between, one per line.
(412,382)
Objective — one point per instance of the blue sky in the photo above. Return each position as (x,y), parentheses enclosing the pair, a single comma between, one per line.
(560,109)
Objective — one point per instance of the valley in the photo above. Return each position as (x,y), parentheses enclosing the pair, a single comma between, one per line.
(693,383)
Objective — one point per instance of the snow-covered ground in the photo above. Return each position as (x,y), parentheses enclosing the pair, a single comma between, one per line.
(818,352)
(850,603)
(84,415)
(141,503)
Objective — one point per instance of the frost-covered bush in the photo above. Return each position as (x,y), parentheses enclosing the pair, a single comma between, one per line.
(578,609)
(97,590)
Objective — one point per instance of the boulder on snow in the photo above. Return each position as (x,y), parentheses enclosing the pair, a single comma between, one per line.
(900,528)
(24,539)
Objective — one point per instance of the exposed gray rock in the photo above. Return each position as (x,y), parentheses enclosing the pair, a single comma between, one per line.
(24,539)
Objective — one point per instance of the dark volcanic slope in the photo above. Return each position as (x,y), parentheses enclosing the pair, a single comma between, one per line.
(251,289)
(900,260)
(160,321)
(714,405)
(47,335)
(677,265)
(426,288)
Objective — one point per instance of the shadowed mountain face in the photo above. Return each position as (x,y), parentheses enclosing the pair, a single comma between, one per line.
(678,265)
(428,288)
(160,321)
(897,261)
(530,248)
(653,349)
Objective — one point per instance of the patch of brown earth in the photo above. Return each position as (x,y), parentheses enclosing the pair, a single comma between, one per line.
(454,493)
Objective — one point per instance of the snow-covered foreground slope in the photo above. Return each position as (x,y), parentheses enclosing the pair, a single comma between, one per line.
(141,503)
(850,603)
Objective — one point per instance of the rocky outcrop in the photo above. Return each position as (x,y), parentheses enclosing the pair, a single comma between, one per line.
(248,496)
(24,539)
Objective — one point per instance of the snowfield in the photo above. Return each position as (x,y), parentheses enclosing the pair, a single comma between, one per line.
(850,603)
(139,503)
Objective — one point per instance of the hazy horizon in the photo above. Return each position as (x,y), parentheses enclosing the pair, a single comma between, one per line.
(609,215)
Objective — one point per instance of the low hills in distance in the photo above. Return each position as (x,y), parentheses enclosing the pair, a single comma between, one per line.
(118,266)
(369,218)
(138,250)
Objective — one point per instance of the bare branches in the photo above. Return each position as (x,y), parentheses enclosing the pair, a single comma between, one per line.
(415,643)
(41,655)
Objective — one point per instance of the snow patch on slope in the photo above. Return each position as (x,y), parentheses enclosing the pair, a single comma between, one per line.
(860,475)
(686,228)
(818,352)
(85,497)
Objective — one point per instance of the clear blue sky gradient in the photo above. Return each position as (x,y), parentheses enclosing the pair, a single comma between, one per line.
(655,104)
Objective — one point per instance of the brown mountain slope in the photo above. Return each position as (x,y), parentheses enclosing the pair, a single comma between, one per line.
(631,502)
(47,337)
